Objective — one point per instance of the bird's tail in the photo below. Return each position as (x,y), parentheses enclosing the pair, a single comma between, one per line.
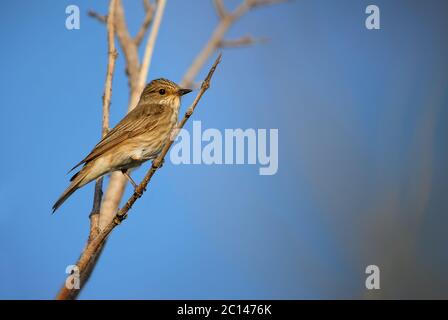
(77,179)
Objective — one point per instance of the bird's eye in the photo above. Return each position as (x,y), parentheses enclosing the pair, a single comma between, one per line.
(162,91)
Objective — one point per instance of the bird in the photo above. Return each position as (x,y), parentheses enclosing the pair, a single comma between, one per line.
(138,137)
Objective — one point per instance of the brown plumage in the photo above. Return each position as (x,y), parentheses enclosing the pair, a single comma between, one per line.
(138,137)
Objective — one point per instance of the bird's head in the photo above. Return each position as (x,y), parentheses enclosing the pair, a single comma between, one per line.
(163,91)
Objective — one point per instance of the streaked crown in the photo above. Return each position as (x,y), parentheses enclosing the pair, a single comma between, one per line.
(158,84)
(162,90)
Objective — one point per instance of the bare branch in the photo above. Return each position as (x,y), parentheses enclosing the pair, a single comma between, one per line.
(257,3)
(220,9)
(129,48)
(147,5)
(95,213)
(150,44)
(145,25)
(112,57)
(97,16)
(241,42)
(217,37)
(94,216)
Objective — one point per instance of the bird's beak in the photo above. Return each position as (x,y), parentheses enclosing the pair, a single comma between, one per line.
(184,91)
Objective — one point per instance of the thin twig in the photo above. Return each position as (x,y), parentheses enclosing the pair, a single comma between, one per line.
(217,37)
(149,9)
(94,215)
(146,62)
(112,57)
(87,258)
(241,42)
(130,51)
(256,3)
(97,16)
(220,9)
(147,5)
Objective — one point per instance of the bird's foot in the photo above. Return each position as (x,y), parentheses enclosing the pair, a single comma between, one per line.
(126,174)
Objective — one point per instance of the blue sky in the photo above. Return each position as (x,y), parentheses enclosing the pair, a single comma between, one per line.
(362,173)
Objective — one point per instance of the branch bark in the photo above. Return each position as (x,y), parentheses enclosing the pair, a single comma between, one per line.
(145,25)
(97,16)
(241,42)
(94,215)
(107,95)
(220,9)
(147,57)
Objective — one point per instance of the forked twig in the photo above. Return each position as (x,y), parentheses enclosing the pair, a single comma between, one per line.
(216,41)
(146,22)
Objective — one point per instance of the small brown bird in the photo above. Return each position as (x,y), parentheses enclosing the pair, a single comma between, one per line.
(138,137)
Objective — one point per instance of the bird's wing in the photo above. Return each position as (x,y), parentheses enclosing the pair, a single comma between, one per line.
(141,119)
